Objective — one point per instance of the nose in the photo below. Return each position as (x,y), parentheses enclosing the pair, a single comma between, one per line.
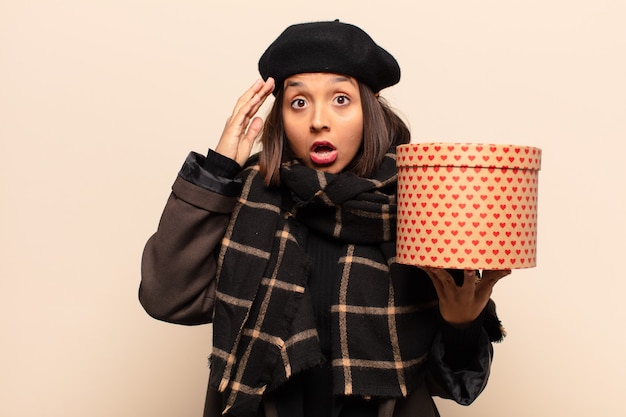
(319,119)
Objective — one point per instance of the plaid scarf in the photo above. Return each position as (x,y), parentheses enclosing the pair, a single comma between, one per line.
(264,329)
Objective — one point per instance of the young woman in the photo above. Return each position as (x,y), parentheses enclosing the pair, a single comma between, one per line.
(290,253)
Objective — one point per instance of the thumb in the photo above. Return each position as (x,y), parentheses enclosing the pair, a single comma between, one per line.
(247,141)
(489,279)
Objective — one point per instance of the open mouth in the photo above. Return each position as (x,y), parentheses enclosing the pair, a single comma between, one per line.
(323,153)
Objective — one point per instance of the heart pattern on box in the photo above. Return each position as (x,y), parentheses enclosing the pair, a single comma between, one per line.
(467,206)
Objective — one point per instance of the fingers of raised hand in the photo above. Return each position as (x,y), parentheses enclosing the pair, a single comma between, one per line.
(247,96)
(250,102)
(242,127)
(253,131)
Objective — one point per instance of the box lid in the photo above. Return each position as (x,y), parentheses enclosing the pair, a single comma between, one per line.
(476,155)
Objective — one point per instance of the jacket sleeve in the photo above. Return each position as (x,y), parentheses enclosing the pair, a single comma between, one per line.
(178,265)
(460,360)
(464,384)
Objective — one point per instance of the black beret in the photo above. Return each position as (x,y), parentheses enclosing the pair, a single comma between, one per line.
(335,47)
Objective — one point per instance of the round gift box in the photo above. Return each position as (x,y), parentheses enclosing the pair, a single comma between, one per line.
(467,205)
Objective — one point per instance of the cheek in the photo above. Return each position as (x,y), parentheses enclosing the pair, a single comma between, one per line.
(296,144)
(356,139)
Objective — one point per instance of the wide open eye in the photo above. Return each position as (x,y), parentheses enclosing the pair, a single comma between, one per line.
(342,100)
(298,103)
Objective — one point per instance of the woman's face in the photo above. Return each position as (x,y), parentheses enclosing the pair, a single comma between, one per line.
(323,119)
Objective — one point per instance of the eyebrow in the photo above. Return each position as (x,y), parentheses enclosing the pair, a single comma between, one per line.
(337,79)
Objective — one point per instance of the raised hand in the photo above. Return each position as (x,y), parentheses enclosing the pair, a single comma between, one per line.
(460,305)
(242,127)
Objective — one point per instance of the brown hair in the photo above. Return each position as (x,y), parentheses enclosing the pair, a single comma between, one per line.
(382,129)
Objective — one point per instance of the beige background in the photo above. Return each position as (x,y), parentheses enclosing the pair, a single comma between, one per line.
(100,101)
